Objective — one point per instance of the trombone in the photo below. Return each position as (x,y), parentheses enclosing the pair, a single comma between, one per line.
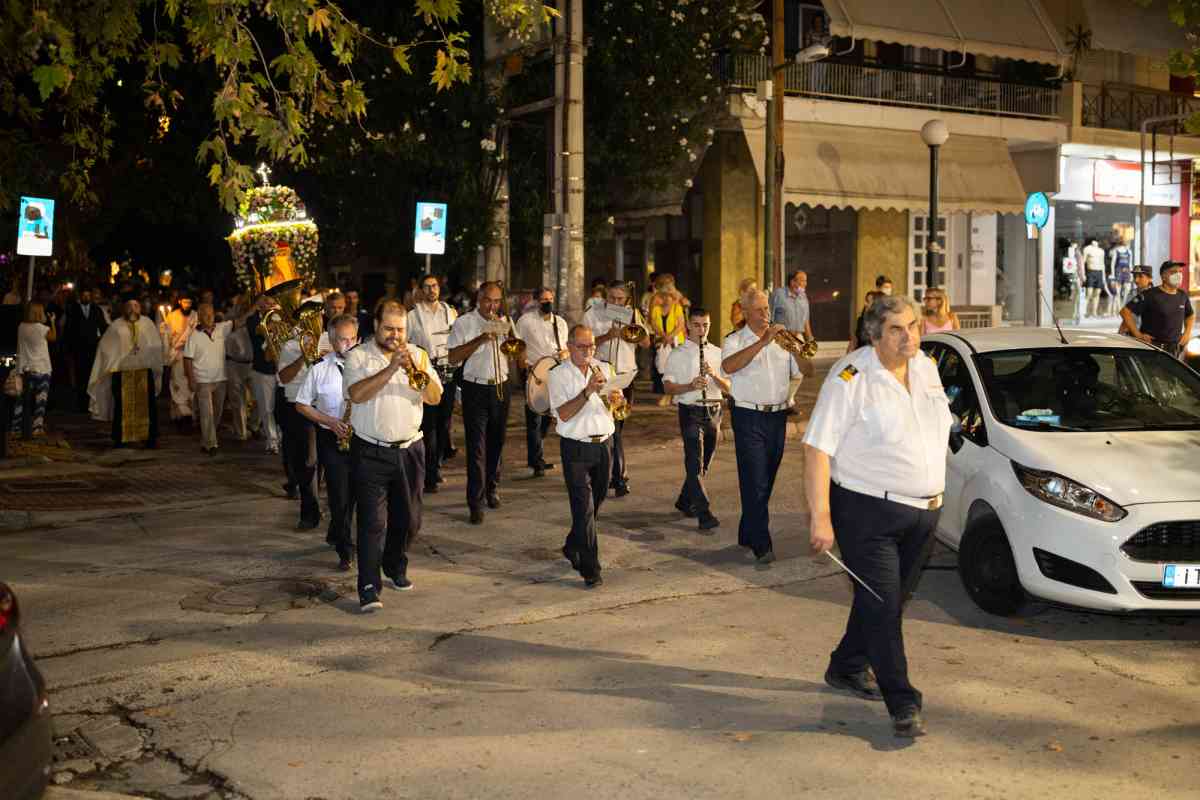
(511,347)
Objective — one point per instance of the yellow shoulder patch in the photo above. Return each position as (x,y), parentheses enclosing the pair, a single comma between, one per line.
(848,373)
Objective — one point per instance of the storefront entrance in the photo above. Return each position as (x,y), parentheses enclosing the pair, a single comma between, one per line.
(822,242)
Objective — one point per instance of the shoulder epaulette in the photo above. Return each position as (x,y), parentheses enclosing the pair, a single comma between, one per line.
(848,373)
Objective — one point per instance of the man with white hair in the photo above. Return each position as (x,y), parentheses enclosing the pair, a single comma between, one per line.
(874,472)
(760,372)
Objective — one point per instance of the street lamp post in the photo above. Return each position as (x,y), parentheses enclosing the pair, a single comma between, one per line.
(771,92)
(934,133)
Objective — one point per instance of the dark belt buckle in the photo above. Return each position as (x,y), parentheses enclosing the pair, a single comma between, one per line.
(596,439)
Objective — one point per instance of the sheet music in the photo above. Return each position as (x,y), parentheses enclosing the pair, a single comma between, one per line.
(620,381)
(612,313)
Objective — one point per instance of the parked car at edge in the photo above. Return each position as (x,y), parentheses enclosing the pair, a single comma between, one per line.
(1074,474)
(26,747)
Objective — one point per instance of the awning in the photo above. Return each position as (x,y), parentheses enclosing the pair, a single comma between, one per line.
(1127,27)
(1019,29)
(839,166)
(633,202)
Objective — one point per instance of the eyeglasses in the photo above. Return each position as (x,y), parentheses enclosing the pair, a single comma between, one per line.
(588,346)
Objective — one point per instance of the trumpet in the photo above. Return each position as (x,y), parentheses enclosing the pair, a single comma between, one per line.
(417,378)
(511,347)
(797,345)
(616,405)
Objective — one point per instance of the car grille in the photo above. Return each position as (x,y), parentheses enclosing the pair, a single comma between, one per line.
(1156,591)
(1064,570)
(1166,541)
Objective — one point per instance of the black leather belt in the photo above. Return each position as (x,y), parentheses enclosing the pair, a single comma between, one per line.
(371,440)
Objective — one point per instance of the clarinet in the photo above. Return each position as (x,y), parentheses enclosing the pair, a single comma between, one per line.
(704,388)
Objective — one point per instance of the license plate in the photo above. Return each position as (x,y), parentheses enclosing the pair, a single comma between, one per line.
(1181,576)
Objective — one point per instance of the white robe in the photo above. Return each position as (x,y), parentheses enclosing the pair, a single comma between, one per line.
(116,353)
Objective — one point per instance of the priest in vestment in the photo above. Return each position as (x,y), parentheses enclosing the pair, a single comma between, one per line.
(127,376)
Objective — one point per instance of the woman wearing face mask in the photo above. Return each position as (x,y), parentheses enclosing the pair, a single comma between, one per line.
(883,285)
(1165,312)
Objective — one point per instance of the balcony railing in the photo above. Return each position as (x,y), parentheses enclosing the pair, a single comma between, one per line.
(897,87)
(1123,108)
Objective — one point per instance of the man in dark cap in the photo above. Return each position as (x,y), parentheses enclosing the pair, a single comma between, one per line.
(1143,279)
(1162,315)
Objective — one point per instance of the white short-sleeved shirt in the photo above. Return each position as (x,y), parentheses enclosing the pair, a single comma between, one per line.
(287,354)
(207,352)
(480,367)
(322,387)
(616,351)
(566,382)
(764,380)
(33,351)
(430,329)
(394,413)
(683,365)
(877,434)
(538,334)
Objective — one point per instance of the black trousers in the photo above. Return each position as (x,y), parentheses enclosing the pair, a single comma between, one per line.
(619,476)
(83,356)
(536,428)
(337,487)
(435,431)
(886,544)
(388,484)
(758,438)
(485,420)
(586,467)
(698,427)
(299,456)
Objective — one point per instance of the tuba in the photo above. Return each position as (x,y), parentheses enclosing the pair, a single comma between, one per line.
(291,320)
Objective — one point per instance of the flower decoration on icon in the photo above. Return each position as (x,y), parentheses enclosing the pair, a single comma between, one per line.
(270,220)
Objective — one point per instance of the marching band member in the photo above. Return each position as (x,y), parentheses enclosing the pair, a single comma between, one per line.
(874,473)
(299,434)
(475,343)
(622,357)
(321,401)
(545,335)
(429,328)
(585,428)
(759,369)
(694,376)
(387,454)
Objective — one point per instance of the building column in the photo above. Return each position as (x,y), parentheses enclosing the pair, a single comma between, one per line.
(733,226)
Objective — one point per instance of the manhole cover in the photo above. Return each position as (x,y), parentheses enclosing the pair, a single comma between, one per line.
(260,596)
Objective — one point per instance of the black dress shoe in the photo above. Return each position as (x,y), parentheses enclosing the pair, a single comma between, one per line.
(684,509)
(431,488)
(476,516)
(538,472)
(290,491)
(344,564)
(451,452)
(546,464)
(440,480)
(308,524)
(593,581)
(861,684)
(621,489)
(765,557)
(908,723)
(493,500)
(708,522)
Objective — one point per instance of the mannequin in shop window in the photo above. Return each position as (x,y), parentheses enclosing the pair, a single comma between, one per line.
(1071,276)
(1120,276)
(1093,265)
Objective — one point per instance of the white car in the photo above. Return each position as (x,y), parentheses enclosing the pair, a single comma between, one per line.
(1075,477)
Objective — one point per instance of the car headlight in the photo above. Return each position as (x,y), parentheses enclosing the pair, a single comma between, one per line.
(1193,347)
(1066,493)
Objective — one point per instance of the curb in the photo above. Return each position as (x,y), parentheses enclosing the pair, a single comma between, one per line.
(61,793)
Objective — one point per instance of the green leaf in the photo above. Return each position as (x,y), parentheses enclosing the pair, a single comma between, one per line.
(51,77)
(401,55)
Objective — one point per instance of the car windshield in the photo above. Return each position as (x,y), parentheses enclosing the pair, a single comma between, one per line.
(1076,389)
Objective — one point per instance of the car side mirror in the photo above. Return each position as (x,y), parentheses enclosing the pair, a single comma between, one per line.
(956,435)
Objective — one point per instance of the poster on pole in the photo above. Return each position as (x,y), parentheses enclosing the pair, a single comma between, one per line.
(35,227)
(430,234)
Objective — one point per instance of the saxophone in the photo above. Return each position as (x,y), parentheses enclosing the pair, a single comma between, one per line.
(343,443)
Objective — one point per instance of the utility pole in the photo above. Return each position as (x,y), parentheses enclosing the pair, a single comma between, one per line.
(779,81)
(572,297)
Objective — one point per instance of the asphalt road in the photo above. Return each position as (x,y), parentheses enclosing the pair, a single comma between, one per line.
(204,649)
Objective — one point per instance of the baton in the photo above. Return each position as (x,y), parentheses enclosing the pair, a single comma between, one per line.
(850,572)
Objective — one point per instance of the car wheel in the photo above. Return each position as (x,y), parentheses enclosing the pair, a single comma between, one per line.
(987,569)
